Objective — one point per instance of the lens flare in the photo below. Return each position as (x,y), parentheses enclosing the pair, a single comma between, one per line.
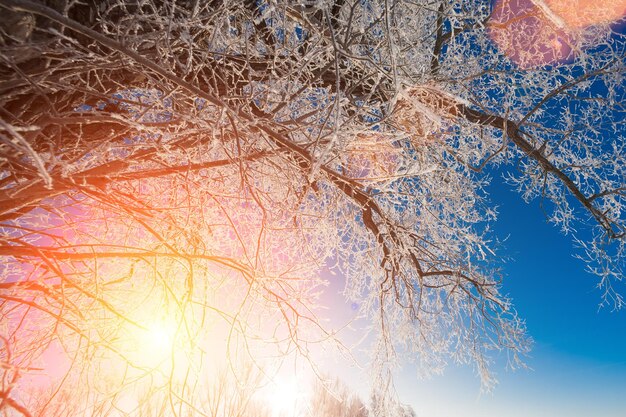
(582,13)
(535,33)
(529,38)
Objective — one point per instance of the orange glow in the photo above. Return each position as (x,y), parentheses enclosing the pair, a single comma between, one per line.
(152,345)
(582,13)
(522,30)
(142,327)
(145,310)
(534,33)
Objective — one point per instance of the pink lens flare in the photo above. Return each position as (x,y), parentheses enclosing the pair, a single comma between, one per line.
(583,13)
(534,33)
(530,39)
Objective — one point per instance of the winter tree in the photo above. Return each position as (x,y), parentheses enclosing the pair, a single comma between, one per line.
(334,399)
(175,174)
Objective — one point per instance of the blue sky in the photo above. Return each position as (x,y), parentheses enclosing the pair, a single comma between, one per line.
(578,361)
(579,358)
(577,367)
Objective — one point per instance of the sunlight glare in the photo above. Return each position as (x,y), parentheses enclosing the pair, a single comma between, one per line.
(153,344)
(534,33)
(284,396)
(582,13)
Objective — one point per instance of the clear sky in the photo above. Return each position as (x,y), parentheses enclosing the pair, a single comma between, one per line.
(579,358)
(578,361)
(577,367)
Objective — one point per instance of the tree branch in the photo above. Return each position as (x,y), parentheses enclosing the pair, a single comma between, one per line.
(513,132)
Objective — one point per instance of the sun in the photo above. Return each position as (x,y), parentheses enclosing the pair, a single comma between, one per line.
(157,340)
(152,344)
